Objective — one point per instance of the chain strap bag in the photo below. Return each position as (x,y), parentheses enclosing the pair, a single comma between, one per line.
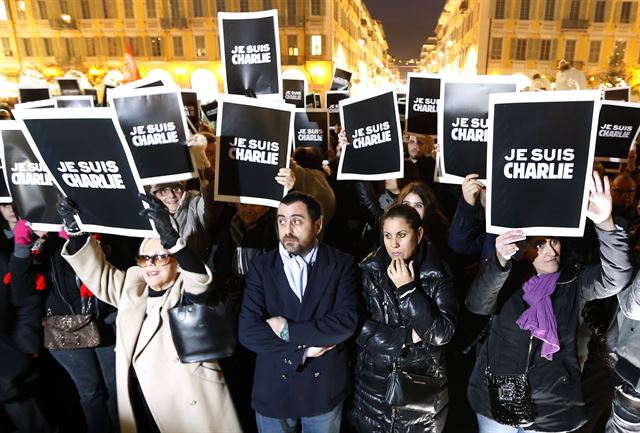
(413,391)
(510,396)
(203,332)
(71,331)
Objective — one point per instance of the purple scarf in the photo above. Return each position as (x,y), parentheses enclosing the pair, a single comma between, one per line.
(539,317)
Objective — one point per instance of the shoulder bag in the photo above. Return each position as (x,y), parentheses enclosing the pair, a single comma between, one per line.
(203,332)
(510,396)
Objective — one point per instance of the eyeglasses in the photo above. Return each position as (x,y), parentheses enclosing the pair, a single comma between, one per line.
(156,260)
(176,189)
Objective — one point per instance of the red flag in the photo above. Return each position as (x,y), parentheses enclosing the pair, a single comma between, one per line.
(131,72)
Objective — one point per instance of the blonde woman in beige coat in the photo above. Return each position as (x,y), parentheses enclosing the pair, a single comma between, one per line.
(155,391)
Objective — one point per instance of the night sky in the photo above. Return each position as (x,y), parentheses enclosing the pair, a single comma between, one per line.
(407,23)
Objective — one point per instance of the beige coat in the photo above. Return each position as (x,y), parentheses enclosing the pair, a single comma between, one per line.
(183,398)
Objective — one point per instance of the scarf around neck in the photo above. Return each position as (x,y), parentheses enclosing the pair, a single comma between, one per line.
(539,318)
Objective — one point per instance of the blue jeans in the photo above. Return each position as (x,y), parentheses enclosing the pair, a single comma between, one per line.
(328,422)
(487,425)
(625,416)
(93,371)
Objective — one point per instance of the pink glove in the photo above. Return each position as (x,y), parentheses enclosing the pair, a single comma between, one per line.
(63,234)
(23,234)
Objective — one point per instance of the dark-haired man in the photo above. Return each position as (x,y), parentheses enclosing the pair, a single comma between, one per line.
(299,308)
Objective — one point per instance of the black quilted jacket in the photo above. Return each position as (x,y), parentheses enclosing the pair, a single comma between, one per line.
(429,306)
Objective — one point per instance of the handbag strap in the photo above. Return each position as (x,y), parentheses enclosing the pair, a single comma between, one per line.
(487,370)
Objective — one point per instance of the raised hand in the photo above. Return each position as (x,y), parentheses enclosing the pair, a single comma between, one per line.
(159,214)
(506,245)
(471,188)
(67,209)
(600,202)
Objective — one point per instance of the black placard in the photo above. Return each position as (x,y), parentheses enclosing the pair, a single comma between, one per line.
(255,142)
(311,129)
(341,79)
(422,103)
(332,102)
(154,124)
(293,92)
(462,124)
(541,149)
(31,187)
(373,130)
(98,178)
(250,51)
(618,125)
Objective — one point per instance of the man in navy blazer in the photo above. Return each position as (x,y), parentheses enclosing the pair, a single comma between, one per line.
(300,307)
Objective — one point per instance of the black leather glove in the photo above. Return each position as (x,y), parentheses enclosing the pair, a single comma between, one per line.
(67,209)
(159,214)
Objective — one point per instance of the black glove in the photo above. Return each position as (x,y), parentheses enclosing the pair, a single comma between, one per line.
(67,209)
(159,214)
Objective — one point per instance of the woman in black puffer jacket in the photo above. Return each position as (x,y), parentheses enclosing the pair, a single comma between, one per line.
(411,313)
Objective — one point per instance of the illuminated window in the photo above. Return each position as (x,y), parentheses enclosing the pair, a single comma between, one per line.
(201,46)
(316,45)
(128,9)
(244,5)
(156,46)
(27,47)
(316,7)
(90,46)
(198,11)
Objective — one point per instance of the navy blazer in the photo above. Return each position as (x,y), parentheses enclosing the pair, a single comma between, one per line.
(283,386)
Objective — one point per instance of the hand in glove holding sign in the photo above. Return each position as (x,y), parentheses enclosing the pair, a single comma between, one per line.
(159,214)
(67,209)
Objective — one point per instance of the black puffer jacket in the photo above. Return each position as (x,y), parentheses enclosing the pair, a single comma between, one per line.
(429,306)
(555,385)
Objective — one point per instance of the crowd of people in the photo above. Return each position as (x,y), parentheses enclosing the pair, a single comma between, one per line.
(360,306)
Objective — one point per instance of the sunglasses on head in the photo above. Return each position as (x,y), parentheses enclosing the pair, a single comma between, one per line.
(156,260)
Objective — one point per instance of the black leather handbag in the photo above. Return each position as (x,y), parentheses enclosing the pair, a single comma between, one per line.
(413,391)
(203,332)
(510,396)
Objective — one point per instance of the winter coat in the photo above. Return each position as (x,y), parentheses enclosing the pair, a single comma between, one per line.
(181,397)
(429,306)
(555,385)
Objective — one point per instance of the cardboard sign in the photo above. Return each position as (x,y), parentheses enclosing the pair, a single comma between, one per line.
(154,124)
(341,79)
(30,94)
(44,103)
(191,109)
(101,178)
(31,187)
(294,92)
(250,52)
(541,147)
(463,123)
(422,103)
(311,129)
(255,142)
(74,101)
(373,129)
(618,94)
(332,102)
(69,86)
(618,126)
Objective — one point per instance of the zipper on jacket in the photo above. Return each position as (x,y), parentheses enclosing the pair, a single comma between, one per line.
(393,419)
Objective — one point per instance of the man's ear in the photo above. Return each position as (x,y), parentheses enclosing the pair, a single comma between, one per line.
(318,224)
